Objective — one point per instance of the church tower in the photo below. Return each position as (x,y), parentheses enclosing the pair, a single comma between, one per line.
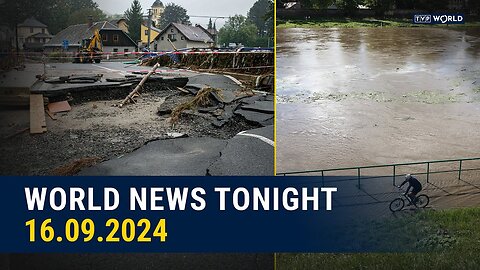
(157,11)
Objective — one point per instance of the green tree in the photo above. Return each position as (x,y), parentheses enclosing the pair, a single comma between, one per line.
(238,29)
(134,17)
(81,15)
(380,6)
(115,17)
(431,5)
(174,14)
(317,4)
(258,15)
(270,20)
(54,13)
(210,25)
(58,12)
(474,6)
(349,7)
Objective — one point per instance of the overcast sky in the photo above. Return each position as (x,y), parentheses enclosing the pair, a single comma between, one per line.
(193,7)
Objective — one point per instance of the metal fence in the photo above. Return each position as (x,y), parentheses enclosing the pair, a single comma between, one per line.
(394,167)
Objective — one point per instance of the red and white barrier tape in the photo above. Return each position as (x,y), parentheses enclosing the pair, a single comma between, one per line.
(135,53)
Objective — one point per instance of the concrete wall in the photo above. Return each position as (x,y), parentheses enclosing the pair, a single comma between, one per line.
(119,48)
(51,49)
(75,48)
(194,44)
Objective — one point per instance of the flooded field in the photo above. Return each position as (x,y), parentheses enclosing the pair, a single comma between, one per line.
(365,96)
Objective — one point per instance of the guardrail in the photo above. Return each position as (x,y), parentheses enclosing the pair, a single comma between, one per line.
(394,167)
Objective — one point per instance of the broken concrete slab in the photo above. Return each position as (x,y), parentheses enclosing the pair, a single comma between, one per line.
(215,81)
(227,113)
(262,119)
(58,89)
(126,79)
(247,155)
(49,90)
(260,106)
(55,79)
(175,81)
(74,79)
(194,88)
(252,99)
(231,91)
(179,157)
(225,96)
(219,123)
(223,116)
(61,106)
(208,109)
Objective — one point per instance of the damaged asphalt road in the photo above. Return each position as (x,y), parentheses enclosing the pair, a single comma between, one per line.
(248,153)
(96,129)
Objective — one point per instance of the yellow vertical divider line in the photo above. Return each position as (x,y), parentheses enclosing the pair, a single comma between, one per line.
(275,87)
(275,102)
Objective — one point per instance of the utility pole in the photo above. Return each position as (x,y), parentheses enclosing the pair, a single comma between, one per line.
(149,25)
(16,37)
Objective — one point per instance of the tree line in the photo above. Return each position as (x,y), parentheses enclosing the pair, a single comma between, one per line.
(57,14)
(255,29)
(381,6)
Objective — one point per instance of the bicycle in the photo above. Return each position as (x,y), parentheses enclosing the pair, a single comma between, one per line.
(398,204)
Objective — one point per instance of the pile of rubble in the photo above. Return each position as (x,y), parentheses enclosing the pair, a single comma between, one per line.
(254,63)
(220,102)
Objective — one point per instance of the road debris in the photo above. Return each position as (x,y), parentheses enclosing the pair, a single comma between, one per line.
(136,91)
(38,123)
(61,106)
(75,167)
(248,63)
(52,115)
(202,98)
(201,105)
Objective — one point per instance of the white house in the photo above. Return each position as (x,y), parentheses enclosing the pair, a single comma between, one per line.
(182,36)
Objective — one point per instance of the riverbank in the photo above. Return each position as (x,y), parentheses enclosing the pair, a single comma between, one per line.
(357,23)
(451,236)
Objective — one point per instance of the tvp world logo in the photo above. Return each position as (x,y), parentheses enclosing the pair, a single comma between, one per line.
(438,19)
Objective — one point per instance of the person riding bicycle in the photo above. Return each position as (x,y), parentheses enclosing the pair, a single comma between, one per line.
(413,184)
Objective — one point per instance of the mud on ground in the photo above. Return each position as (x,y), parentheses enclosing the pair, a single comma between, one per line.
(100,131)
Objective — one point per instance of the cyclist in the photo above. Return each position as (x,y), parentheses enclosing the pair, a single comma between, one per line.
(413,184)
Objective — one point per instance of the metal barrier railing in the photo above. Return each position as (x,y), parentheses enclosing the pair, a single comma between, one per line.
(394,167)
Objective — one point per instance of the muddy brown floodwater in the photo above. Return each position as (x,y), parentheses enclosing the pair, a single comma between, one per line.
(364,96)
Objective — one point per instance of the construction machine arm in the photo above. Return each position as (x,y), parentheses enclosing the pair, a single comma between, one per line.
(96,42)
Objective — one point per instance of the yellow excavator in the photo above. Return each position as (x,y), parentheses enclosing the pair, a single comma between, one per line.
(91,50)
